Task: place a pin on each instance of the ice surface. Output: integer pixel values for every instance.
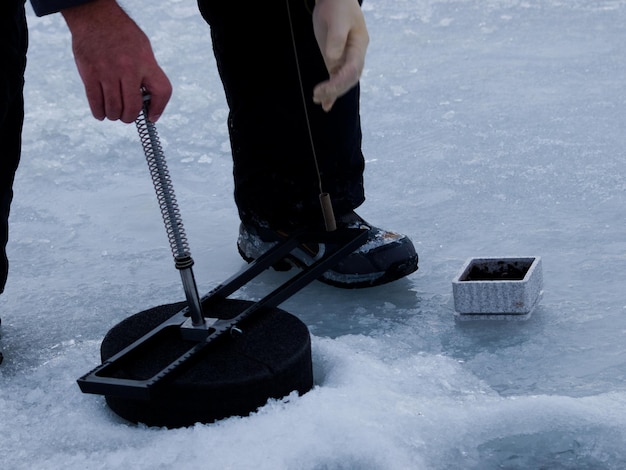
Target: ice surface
(491, 128)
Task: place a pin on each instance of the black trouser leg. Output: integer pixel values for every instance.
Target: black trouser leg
(274, 170)
(13, 44)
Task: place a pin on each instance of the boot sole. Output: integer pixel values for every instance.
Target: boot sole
(393, 273)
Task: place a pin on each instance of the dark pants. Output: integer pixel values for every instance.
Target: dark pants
(13, 44)
(274, 169)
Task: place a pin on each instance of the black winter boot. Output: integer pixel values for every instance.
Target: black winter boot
(384, 257)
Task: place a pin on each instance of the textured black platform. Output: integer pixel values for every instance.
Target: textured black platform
(233, 376)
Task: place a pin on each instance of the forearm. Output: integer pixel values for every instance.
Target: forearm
(95, 16)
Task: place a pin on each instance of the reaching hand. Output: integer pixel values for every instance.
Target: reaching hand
(115, 60)
(342, 37)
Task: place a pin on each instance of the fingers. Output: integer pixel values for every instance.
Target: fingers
(125, 105)
(155, 82)
(131, 105)
(160, 90)
(95, 98)
(114, 101)
(340, 82)
(326, 93)
(344, 75)
(120, 97)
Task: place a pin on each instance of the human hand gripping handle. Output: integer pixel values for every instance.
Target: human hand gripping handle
(342, 36)
(115, 61)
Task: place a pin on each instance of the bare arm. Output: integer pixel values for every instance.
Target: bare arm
(342, 37)
(115, 60)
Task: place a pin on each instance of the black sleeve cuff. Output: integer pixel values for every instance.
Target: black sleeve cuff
(45, 7)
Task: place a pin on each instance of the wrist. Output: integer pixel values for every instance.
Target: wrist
(84, 16)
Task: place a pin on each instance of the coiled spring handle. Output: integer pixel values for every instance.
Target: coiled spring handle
(169, 210)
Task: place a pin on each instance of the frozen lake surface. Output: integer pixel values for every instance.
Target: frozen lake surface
(491, 128)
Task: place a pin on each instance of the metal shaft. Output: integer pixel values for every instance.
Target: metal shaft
(191, 293)
(169, 211)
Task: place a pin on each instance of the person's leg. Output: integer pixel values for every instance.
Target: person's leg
(13, 44)
(276, 180)
(275, 176)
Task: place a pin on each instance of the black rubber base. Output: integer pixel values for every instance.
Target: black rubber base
(233, 376)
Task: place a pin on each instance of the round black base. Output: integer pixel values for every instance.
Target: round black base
(233, 376)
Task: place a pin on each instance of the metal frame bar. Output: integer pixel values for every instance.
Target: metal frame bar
(100, 380)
